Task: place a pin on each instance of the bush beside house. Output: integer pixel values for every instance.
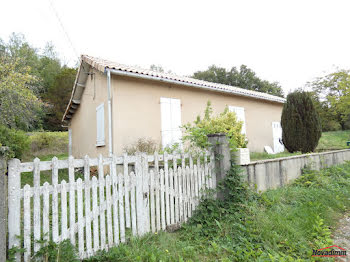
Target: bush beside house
(226, 122)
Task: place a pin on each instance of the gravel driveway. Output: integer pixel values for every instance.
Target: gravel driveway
(342, 236)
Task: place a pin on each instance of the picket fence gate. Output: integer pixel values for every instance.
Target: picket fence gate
(150, 193)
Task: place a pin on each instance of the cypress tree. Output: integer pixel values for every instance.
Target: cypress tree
(301, 125)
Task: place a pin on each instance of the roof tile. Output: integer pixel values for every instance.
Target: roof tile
(101, 64)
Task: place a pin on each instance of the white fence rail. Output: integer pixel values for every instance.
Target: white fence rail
(99, 212)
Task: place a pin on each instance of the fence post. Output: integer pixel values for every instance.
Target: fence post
(3, 203)
(222, 154)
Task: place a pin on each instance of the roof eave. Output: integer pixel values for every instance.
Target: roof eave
(183, 83)
(77, 92)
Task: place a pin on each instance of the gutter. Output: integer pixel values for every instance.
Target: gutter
(177, 82)
(110, 139)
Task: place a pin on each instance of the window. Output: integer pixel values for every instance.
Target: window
(100, 125)
(240, 116)
(170, 109)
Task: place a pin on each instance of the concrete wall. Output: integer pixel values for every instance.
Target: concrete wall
(275, 173)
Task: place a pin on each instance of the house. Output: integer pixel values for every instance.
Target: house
(113, 105)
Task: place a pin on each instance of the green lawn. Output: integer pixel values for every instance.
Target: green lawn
(332, 140)
(254, 156)
(46, 145)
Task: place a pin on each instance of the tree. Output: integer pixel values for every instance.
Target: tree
(243, 77)
(48, 68)
(19, 105)
(58, 96)
(159, 69)
(332, 96)
(301, 126)
(43, 67)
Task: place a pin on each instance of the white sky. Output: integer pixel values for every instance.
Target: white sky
(286, 41)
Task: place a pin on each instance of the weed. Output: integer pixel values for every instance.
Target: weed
(49, 252)
(284, 224)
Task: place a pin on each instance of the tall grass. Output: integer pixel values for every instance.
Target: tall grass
(46, 145)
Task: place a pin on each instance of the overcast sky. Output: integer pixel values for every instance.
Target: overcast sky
(286, 41)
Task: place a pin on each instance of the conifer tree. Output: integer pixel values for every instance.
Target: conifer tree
(300, 122)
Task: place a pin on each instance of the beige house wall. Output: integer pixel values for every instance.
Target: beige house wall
(136, 113)
(136, 105)
(83, 123)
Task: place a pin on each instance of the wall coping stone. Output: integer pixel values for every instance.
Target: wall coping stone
(294, 157)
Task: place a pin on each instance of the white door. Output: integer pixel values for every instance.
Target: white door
(278, 146)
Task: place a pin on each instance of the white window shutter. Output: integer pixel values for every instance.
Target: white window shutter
(100, 125)
(170, 121)
(240, 116)
(165, 111)
(176, 120)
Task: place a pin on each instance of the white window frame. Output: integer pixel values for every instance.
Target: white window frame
(170, 121)
(235, 109)
(100, 126)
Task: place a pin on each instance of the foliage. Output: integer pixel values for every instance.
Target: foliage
(146, 145)
(53, 252)
(332, 96)
(48, 69)
(301, 127)
(263, 155)
(334, 140)
(243, 77)
(226, 122)
(43, 144)
(58, 95)
(17, 141)
(34, 86)
(159, 69)
(19, 104)
(171, 149)
(284, 224)
(50, 252)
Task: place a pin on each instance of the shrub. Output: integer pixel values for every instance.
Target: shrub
(17, 141)
(49, 141)
(226, 122)
(300, 123)
(146, 145)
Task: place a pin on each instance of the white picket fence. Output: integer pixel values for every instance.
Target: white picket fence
(100, 212)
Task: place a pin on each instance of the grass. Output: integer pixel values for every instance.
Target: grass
(46, 145)
(333, 140)
(263, 155)
(284, 224)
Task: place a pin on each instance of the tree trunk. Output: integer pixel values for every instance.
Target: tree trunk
(342, 124)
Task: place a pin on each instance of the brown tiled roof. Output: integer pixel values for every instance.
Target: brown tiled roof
(102, 65)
